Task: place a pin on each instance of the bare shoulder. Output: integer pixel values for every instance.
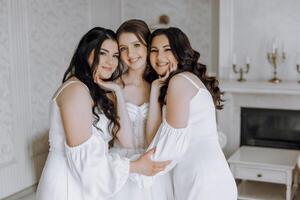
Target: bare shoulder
(195, 79)
(178, 81)
(74, 92)
(181, 86)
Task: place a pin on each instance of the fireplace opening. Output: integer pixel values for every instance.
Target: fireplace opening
(270, 128)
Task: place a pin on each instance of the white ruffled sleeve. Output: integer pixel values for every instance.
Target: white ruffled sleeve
(170, 144)
(98, 173)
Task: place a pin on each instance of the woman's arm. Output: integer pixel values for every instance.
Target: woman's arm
(172, 137)
(154, 115)
(179, 94)
(75, 104)
(144, 165)
(154, 118)
(125, 133)
(90, 165)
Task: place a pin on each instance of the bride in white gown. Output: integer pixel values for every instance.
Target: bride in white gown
(132, 38)
(83, 121)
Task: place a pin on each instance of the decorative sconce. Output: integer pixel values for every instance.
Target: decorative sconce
(164, 19)
(275, 58)
(241, 70)
(163, 22)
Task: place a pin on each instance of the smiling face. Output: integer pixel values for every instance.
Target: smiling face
(108, 59)
(133, 51)
(161, 55)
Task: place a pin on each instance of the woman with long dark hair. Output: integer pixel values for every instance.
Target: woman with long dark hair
(84, 123)
(187, 132)
(133, 36)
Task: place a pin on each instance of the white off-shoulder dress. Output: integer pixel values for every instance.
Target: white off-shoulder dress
(84, 172)
(200, 170)
(162, 189)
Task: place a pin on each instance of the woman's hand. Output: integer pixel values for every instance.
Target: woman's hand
(145, 166)
(159, 82)
(107, 85)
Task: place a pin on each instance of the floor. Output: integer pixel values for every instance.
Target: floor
(32, 197)
(253, 190)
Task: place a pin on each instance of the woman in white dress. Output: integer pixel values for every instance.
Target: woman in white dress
(187, 133)
(132, 37)
(83, 121)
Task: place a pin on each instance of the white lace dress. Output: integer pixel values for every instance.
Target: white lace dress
(84, 172)
(162, 189)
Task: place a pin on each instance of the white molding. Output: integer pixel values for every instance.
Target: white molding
(214, 37)
(7, 155)
(20, 76)
(26, 194)
(225, 38)
(260, 87)
(18, 174)
(210, 55)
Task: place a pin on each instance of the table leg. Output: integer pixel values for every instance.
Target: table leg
(288, 192)
(295, 185)
(296, 179)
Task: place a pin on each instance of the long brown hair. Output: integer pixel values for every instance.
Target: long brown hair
(141, 30)
(80, 69)
(187, 59)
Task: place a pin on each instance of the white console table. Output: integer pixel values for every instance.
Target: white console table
(257, 167)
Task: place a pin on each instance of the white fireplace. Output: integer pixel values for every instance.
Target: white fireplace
(252, 94)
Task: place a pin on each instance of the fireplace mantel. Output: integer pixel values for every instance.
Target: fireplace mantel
(260, 87)
(252, 94)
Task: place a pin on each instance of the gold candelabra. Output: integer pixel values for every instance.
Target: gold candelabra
(298, 70)
(275, 59)
(241, 71)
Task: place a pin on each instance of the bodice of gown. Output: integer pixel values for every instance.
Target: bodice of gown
(137, 115)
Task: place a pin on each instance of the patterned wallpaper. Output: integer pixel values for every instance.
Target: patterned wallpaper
(55, 28)
(192, 16)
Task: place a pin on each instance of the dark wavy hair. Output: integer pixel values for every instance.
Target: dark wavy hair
(80, 68)
(141, 30)
(187, 59)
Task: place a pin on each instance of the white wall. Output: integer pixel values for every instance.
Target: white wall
(248, 27)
